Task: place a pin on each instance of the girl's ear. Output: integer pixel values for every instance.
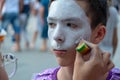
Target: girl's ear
(98, 34)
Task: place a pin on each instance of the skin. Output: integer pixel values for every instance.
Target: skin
(17, 36)
(67, 26)
(66, 30)
(3, 74)
(96, 68)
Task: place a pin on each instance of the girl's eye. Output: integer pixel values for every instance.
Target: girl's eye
(52, 25)
(71, 25)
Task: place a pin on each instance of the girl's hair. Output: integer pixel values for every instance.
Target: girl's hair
(97, 10)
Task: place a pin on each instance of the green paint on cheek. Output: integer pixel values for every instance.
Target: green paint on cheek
(82, 48)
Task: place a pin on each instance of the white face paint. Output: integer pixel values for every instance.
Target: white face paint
(68, 24)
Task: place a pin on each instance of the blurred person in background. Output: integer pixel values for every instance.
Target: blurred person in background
(36, 11)
(116, 3)
(9, 14)
(24, 16)
(110, 41)
(44, 33)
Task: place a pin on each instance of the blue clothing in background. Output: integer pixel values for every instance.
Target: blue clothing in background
(44, 33)
(45, 4)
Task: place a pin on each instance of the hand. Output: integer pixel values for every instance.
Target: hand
(96, 67)
(3, 74)
(0, 60)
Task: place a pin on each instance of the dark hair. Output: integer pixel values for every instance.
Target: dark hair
(39, 0)
(97, 10)
(117, 7)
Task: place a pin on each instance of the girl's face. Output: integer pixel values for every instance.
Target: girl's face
(68, 24)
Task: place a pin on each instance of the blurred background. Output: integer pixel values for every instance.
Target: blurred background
(26, 27)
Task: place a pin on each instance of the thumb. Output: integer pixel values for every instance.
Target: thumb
(79, 59)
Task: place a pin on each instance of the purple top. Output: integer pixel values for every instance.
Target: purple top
(51, 74)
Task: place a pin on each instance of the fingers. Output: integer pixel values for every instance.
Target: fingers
(95, 52)
(106, 58)
(108, 64)
(83, 48)
(79, 58)
(96, 55)
(105, 76)
(91, 45)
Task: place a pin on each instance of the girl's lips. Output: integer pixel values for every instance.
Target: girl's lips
(59, 52)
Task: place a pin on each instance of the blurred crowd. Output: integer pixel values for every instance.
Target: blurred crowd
(16, 13)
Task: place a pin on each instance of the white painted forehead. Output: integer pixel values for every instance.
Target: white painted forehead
(67, 7)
